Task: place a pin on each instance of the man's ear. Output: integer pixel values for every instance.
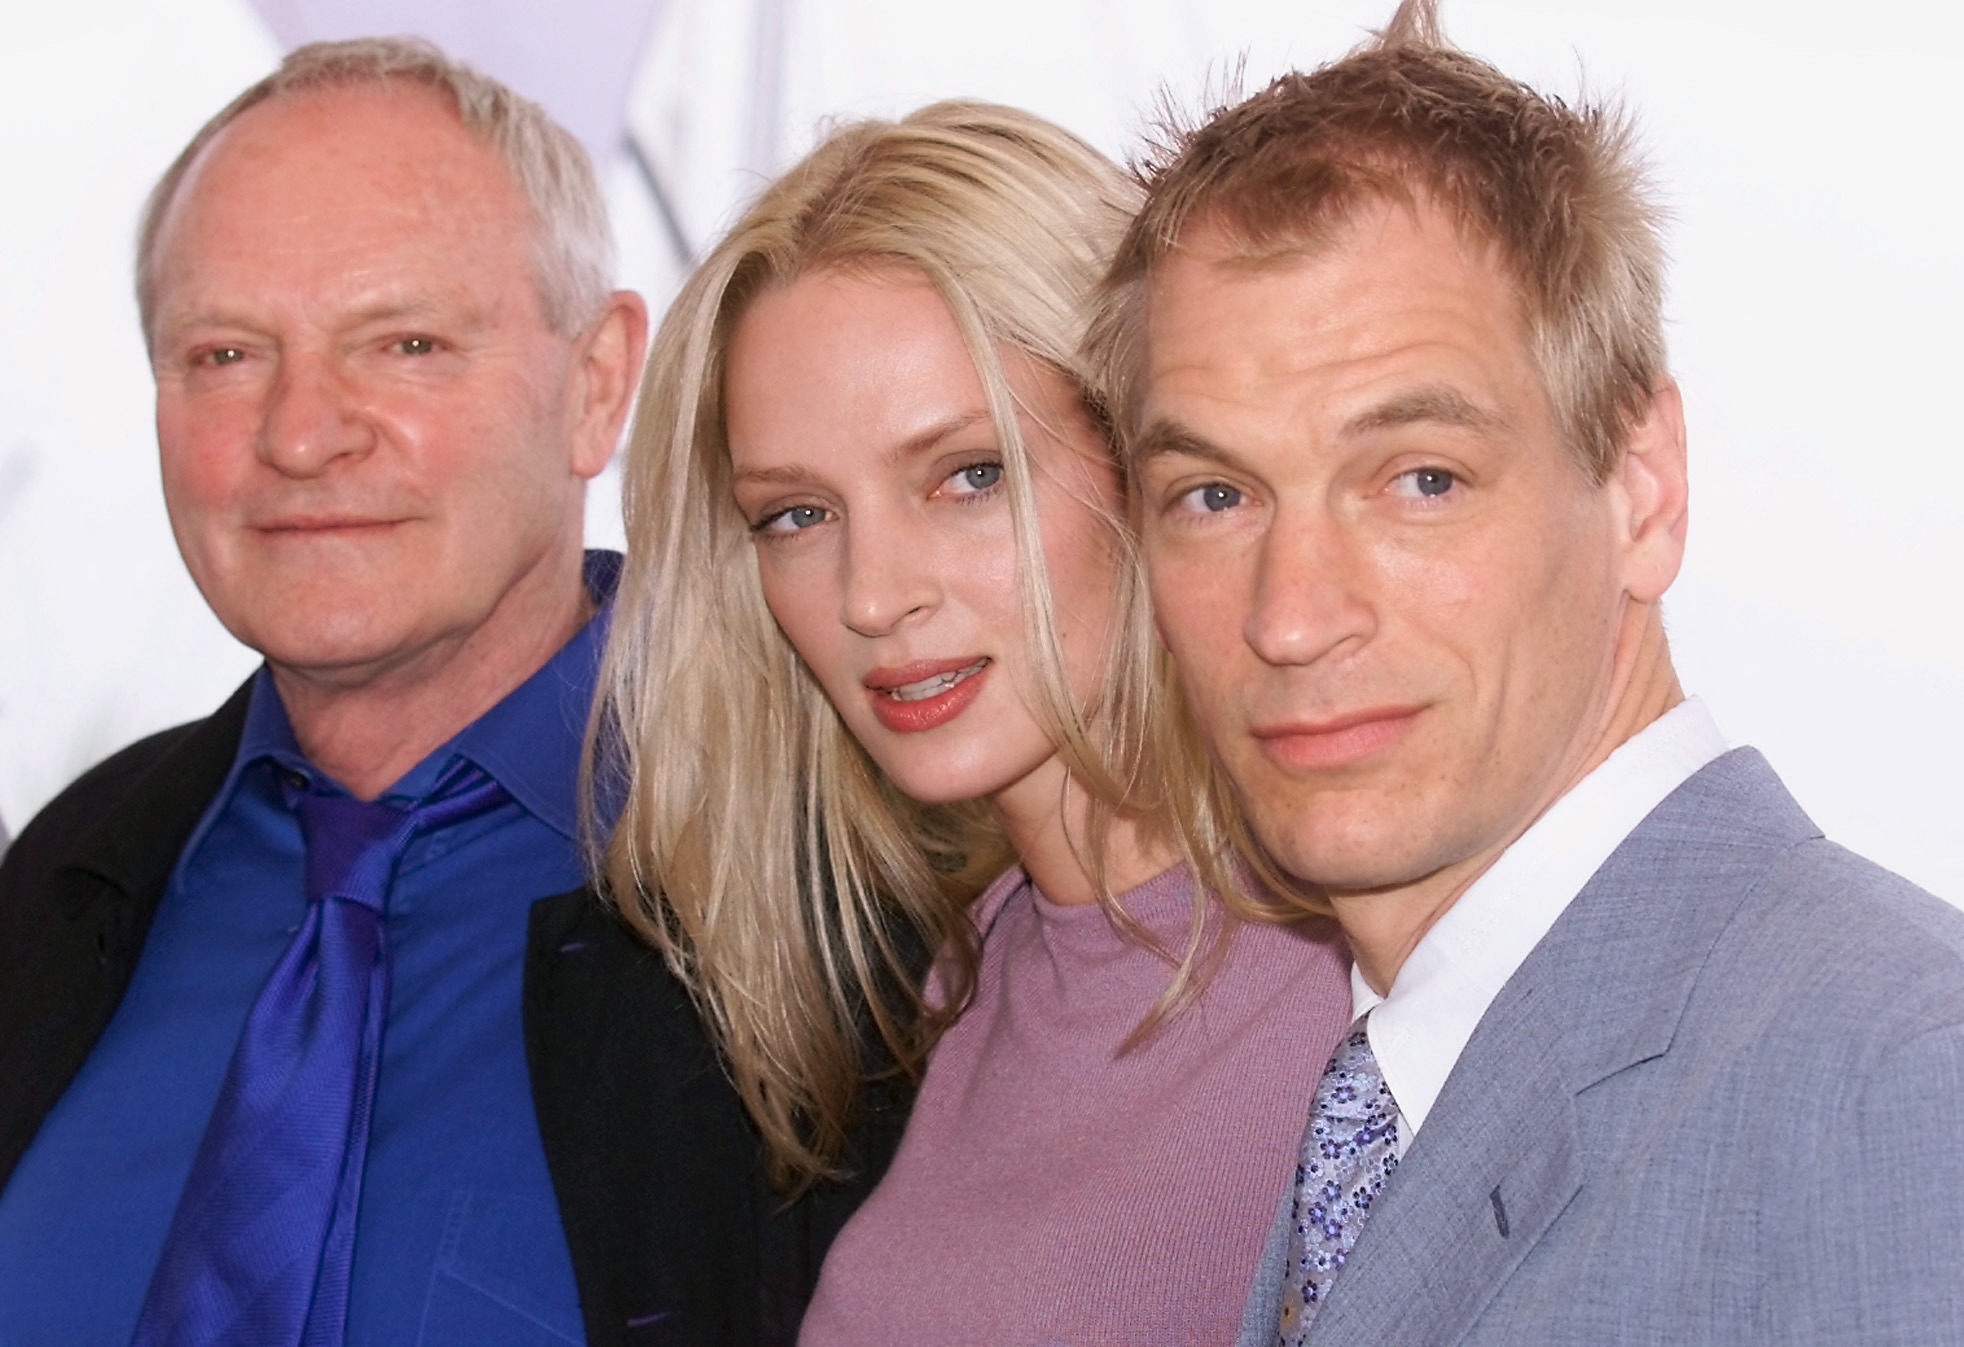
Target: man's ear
(606, 372)
(1650, 494)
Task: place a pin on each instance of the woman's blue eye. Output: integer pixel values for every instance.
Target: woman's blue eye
(791, 520)
(976, 477)
(1213, 498)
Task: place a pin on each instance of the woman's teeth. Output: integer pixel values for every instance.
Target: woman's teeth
(935, 686)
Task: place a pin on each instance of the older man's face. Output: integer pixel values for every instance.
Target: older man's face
(374, 447)
(1393, 597)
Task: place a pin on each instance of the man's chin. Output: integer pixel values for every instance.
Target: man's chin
(1341, 859)
(329, 655)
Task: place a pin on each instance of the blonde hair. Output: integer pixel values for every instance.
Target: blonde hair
(574, 251)
(789, 884)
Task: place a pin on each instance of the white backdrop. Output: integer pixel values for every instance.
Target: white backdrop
(1808, 156)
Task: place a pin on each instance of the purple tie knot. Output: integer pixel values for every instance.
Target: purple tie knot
(352, 847)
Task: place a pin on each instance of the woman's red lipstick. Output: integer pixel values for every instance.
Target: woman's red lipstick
(927, 693)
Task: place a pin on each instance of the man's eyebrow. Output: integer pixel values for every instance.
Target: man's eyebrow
(1162, 437)
(375, 313)
(412, 309)
(1439, 404)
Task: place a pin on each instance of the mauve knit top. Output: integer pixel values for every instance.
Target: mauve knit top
(1051, 1190)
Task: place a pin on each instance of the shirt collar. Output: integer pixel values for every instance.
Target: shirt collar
(1457, 968)
(530, 742)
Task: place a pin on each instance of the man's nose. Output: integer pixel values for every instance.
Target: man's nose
(313, 416)
(1310, 599)
(890, 576)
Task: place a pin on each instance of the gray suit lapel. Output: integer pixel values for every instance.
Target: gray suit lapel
(1497, 1161)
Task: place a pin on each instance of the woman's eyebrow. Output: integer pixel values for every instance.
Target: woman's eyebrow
(924, 440)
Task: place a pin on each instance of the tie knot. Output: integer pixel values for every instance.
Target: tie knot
(1352, 1092)
(353, 845)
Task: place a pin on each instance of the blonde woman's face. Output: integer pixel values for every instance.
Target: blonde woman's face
(871, 473)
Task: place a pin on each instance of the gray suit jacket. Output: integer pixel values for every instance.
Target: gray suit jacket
(1721, 1102)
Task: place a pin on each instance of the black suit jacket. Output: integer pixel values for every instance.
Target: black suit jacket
(675, 1234)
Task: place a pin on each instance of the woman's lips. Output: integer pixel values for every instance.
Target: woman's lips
(921, 696)
(1337, 741)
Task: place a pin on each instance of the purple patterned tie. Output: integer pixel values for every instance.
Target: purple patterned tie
(262, 1240)
(1348, 1152)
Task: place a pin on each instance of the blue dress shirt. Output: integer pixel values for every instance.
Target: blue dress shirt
(458, 1240)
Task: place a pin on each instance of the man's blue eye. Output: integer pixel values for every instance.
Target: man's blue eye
(227, 355)
(1424, 483)
(416, 346)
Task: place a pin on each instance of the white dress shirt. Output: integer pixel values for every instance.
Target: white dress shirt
(1452, 975)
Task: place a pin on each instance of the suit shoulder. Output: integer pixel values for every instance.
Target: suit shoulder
(111, 778)
(1860, 942)
(1831, 885)
(1795, 910)
(166, 777)
(89, 798)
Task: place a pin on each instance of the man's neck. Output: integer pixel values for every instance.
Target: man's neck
(367, 732)
(1383, 926)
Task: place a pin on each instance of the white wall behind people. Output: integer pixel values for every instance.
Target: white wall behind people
(102, 636)
(1806, 155)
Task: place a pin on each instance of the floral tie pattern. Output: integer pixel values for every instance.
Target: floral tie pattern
(1348, 1152)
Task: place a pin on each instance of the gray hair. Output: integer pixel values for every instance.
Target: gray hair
(574, 247)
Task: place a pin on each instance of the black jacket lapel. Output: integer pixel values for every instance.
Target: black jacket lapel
(77, 893)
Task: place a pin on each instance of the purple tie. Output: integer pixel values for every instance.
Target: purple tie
(262, 1241)
(1348, 1151)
